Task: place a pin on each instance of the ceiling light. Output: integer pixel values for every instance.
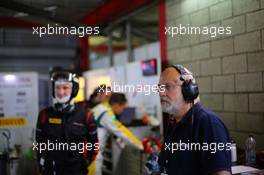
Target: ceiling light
(9, 78)
(20, 15)
(50, 8)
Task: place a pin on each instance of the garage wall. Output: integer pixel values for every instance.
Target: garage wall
(21, 51)
(144, 52)
(230, 68)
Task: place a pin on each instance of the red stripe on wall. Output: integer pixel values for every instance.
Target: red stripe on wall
(163, 40)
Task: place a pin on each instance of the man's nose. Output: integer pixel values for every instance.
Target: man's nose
(162, 93)
(60, 92)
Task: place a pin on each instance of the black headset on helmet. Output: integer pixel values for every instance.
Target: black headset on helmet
(67, 76)
(190, 89)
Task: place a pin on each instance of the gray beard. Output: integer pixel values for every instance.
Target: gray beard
(171, 108)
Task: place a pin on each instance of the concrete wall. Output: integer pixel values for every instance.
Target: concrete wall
(230, 68)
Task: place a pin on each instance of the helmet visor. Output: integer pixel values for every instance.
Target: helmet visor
(64, 76)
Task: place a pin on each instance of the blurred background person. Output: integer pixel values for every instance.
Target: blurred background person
(107, 123)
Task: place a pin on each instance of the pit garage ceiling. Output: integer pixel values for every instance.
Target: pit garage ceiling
(72, 10)
(17, 14)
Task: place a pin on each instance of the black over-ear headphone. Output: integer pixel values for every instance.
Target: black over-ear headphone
(190, 89)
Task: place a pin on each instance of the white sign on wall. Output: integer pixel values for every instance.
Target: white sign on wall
(19, 105)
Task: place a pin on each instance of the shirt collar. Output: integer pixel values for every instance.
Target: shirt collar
(106, 104)
(187, 117)
(110, 111)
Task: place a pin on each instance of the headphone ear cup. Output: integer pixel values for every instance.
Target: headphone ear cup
(185, 90)
(190, 90)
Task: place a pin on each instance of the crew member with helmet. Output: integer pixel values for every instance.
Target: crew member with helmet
(68, 124)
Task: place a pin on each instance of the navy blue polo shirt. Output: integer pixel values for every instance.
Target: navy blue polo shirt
(197, 145)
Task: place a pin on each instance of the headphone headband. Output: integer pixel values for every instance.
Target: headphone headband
(186, 75)
(190, 89)
(180, 69)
